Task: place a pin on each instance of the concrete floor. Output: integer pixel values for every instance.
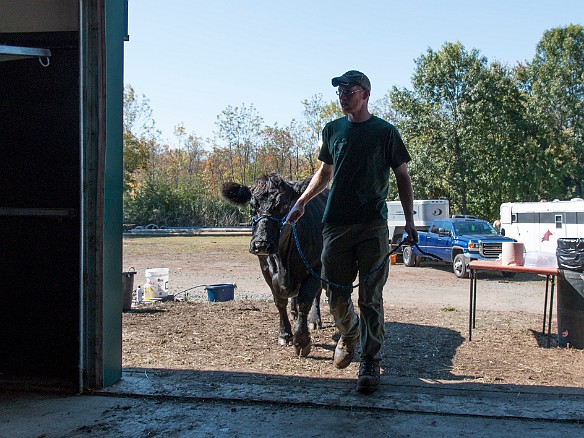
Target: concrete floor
(165, 403)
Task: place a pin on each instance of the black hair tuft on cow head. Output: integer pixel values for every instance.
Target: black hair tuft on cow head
(236, 193)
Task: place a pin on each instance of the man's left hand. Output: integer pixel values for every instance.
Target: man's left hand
(412, 236)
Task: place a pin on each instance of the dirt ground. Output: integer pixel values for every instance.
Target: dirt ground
(426, 314)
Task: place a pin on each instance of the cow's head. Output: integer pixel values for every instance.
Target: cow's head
(270, 199)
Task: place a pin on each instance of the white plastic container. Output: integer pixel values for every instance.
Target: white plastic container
(540, 259)
(139, 295)
(156, 286)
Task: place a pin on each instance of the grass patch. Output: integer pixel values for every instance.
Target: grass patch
(449, 309)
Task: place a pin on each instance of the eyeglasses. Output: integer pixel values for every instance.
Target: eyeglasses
(345, 92)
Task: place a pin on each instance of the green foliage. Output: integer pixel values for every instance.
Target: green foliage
(165, 204)
(554, 81)
(481, 134)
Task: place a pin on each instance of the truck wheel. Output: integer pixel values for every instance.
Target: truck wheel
(409, 258)
(459, 266)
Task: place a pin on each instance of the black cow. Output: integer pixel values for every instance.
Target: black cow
(270, 199)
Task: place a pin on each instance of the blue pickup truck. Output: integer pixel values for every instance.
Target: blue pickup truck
(457, 240)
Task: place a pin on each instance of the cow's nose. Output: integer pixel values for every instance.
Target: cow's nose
(259, 247)
(255, 247)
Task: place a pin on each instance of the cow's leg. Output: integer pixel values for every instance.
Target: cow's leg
(302, 342)
(314, 319)
(285, 328)
(269, 267)
(294, 308)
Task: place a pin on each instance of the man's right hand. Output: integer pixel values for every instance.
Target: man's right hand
(295, 213)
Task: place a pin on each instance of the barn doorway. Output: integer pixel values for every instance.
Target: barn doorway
(60, 201)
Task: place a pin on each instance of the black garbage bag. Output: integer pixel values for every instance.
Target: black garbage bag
(570, 306)
(570, 254)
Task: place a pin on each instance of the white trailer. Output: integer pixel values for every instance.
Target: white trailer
(425, 211)
(539, 225)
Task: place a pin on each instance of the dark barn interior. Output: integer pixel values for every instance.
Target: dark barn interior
(40, 209)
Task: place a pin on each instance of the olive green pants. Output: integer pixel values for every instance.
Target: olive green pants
(348, 250)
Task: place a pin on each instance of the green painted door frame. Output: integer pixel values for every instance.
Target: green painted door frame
(103, 31)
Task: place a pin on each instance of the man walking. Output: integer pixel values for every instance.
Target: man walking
(358, 153)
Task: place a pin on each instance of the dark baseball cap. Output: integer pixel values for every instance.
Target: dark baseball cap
(351, 78)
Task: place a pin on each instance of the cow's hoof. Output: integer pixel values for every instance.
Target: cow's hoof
(303, 351)
(284, 340)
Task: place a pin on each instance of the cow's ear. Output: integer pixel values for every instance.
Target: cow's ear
(236, 193)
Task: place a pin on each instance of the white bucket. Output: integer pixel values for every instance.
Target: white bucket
(512, 254)
(156, 286)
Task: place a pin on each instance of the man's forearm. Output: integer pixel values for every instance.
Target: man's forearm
(406, 197)
(406, 193)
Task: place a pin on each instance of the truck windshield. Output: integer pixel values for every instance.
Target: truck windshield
(470, 228)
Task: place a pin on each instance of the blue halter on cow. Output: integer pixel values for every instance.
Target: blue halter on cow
(270, 199)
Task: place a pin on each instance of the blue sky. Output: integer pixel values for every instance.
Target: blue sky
(194, 58)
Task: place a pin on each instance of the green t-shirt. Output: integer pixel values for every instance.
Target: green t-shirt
(362, 155)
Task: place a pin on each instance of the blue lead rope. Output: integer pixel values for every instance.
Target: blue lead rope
(282, 222)
(364, 279)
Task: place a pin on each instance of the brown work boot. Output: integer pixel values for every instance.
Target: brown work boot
(368, 377)
(345, 351)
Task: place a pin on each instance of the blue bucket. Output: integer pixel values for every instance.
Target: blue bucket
(220, 292)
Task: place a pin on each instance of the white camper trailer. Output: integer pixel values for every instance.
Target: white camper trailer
(539, 225)
(425, 211)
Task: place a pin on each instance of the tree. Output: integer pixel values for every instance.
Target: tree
(301, 136)
(140, 137)
(554, 82)
(464, 124)
(509, 159)
(382, 108)
(275, 154)
(316, 114)
(240, 128)
(195, 150)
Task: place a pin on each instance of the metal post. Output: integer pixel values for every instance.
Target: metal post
(545, 302)
(553, 281)
(470, 309)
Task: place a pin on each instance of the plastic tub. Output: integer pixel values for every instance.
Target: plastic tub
(220, 292)
(539, 259)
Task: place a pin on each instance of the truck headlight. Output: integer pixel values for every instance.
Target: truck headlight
(474, 246)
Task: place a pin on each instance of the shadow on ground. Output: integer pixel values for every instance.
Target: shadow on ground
(420, 351)
(415, 350)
